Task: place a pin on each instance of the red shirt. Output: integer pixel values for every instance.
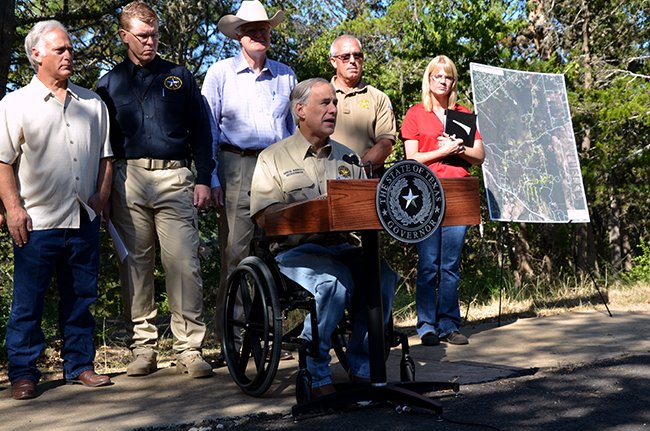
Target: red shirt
(425, 127)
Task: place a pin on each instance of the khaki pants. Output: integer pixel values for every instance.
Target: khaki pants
(235, 225)
(150, 204)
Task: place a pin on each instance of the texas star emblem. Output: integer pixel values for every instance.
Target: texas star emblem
(344, 172)
(173, 82)
(410, 201)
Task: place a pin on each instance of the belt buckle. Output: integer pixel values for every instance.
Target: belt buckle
(155, 164)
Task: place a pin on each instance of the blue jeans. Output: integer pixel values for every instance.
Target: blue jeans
(436, 295)
(73, 254)
(327, 273)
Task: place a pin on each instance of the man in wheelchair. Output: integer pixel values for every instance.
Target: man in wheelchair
(326, 264)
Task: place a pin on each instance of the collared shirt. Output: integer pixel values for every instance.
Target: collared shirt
(157, 112)
(250, 111)
(364, 116)
(425, 127)
(55, 149)
(289, 171)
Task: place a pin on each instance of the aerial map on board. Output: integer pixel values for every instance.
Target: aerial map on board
(531, 170)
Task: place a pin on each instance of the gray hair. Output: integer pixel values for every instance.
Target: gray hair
(35, 37)
(341, 38)
(301, 92)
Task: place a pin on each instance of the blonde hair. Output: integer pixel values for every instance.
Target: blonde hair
(450, 69)
(138, 10)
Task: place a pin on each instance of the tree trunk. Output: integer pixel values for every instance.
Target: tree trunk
(521, 256)
(7, 33)
(586, 247)
(614, 232)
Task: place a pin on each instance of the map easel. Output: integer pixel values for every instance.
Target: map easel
(532, 170)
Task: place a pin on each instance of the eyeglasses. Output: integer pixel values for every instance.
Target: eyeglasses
(144, 38)
(347, 56)
(441, 78)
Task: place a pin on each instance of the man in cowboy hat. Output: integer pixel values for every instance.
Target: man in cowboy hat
(249, 98)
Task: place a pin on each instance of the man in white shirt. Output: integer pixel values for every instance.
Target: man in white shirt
(55, 171)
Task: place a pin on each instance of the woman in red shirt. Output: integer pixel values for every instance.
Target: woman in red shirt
(439, 255)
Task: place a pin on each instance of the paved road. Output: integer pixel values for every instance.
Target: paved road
(574, 371)
(609, 395)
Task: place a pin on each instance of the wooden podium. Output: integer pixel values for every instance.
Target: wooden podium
(350, 206)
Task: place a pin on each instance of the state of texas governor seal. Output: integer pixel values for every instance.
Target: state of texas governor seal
(410, 201)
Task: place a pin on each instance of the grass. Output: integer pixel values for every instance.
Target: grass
(542, 300)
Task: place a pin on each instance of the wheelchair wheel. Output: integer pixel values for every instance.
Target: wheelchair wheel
(252, 329)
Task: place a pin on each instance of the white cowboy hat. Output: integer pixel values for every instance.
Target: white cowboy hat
(249, 11)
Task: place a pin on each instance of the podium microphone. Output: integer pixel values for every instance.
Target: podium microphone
(353, 159)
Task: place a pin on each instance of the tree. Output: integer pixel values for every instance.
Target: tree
(7, 29)
(602, 48)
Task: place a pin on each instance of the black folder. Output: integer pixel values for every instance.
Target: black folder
(463, 126)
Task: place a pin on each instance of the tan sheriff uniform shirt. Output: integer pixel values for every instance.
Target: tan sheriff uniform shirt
(365, 115)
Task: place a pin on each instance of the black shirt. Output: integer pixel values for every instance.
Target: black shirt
(157, 111)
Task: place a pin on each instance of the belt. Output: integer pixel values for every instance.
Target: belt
(157, 164)
(240, 151)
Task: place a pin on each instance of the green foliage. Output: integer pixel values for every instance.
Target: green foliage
(210, 257)
(641, 269)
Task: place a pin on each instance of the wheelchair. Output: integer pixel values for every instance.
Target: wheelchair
(258, 300)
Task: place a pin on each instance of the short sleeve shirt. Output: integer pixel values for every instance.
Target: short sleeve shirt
(288, 171)
(364, 116)
(425, 127)
(56, 149)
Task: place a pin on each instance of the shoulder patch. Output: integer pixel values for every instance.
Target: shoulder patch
(173, 82)
(343, 173)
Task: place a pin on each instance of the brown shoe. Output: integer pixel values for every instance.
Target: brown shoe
(91, 378)
(322, 391)
(455, 338)
(23, 389)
